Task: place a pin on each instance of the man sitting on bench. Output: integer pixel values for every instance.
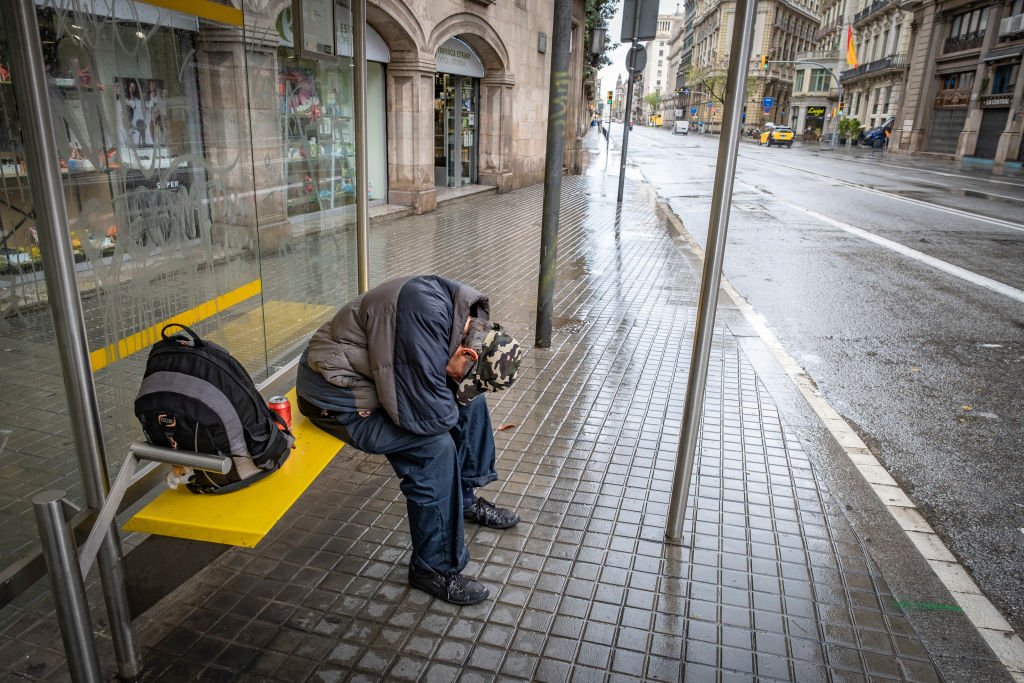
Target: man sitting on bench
(396, 371)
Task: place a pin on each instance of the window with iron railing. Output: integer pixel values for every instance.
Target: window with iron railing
(967, 30)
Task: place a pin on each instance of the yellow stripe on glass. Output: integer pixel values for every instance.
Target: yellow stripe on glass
(140, 341)
(204, 9)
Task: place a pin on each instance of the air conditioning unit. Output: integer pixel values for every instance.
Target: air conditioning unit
(1011, 25)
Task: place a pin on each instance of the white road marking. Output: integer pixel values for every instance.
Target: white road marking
(943, 209)
(938, 264)
(909, 200)
(990, 624)
(949, 175)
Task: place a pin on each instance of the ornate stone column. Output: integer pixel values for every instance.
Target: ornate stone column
(1009, 141)
(496, 117)
(237, 77)
(411, 133)
(969, 137)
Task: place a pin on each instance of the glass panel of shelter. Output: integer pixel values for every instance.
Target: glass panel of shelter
(151, 126)
(166, 124)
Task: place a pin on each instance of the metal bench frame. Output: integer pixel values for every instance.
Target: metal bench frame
(67, 567)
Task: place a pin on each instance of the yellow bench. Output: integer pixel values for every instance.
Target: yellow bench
(242, 517)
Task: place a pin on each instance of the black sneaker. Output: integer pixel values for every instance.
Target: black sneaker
(489, 515)
(454, 588)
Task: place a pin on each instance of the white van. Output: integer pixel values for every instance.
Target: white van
(682, 126)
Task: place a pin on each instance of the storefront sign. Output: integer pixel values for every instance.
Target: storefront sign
(455, 57)
(996, 100)
(376, 48)
(815, 111)
(316, 27)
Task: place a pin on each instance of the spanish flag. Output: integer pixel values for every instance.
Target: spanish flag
(851, 49)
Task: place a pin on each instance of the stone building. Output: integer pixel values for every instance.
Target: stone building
(619, 103)
(874, 88)
(657, 77)
(816, 88)
(964, 91)
(782, 30)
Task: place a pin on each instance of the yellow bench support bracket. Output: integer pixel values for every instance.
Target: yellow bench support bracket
(245, 516)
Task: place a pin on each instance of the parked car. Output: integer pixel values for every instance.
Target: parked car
(777, 135)
(681, 126)
(877, 136)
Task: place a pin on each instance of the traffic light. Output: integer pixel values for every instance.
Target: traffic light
(610, 93)
(764, 62)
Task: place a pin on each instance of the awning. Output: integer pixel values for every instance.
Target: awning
(1003, 53)
(455, 57)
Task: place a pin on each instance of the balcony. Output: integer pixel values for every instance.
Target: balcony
(952, 98)
(825, 30)
(968, 41)
(873, 8)
(820, 56)
(879, 66)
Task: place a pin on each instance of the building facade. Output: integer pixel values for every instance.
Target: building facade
(207, 170)
(657, 76)
(874, 88)
(783, 29)
(816, 85)
(964, 91)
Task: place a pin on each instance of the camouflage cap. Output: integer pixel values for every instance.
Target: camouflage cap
(495, 369)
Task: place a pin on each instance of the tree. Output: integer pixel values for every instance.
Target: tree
(848, 129)
(599, 12)
(712, 80)
(653, 102)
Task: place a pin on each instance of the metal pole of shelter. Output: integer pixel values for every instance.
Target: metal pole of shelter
(67, 587)
(30, 83)
(362, 181)
(712, 277)
(558, 93)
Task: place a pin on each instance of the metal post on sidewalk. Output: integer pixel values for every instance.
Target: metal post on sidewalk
(721, 199)
(558, 93)
(361, 170)
(629, 117)
(31, 83)
(67, 587)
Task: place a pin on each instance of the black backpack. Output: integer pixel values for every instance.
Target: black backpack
(195, 396)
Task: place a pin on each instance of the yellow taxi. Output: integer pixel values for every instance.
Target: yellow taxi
(778, 135)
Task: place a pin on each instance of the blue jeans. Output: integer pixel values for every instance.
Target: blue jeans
(433, 471)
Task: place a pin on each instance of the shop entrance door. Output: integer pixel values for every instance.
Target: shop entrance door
(455, 129)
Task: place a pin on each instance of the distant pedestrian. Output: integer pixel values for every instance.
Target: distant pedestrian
(399, 370)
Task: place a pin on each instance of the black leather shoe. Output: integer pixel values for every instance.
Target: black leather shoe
(454, 588)
(489, 515)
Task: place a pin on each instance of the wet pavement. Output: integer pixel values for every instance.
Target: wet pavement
(774, 579)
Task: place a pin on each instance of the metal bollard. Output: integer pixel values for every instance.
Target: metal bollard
(67, 587)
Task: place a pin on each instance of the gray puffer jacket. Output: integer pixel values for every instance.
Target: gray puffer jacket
(389, 348)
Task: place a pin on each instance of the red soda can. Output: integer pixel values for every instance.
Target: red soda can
(283, 407)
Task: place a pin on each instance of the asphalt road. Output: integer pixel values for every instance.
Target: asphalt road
(897, 284)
